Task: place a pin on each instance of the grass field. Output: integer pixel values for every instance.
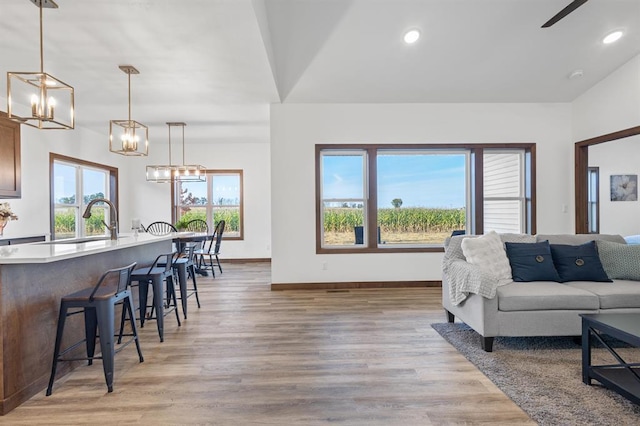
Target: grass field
(413, 225)
(348, 238)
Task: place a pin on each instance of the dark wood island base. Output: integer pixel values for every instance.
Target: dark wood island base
(30, 296)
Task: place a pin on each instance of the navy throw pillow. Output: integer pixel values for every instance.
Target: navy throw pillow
(578, 263)
(531, 262)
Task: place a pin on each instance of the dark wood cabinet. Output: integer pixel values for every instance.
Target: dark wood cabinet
(9, 158)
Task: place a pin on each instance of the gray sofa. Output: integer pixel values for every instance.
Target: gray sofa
(539, 308)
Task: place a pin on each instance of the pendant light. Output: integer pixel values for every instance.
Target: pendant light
(38, 99)
(128, 137)
(163, 174)
(189, 173)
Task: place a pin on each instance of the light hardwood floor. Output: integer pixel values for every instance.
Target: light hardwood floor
(306, 357)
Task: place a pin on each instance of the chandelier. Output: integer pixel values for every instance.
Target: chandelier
(189, 173)
(38, 99)
(163, 174)
(125, 135)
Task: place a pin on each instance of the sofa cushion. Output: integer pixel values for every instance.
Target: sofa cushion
(618, 294)
(577, 239)
(453, 245)
(517, 238)
(487, 252)
(620, 261)
(531, 262)
(578, 263)
(544, 295)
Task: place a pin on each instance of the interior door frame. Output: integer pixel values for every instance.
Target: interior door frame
(581, 174)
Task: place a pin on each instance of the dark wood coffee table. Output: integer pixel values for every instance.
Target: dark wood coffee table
(623, 377)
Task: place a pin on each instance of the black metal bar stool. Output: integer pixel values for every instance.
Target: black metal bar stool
(184, 267)
(188, 259)
(98, 304)
(156, 276)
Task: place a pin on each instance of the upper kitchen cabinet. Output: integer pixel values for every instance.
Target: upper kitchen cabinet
(9, 158)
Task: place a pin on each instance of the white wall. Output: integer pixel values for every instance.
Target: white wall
(138, 198)
(295, 129)
(611, 105)
(617, 158)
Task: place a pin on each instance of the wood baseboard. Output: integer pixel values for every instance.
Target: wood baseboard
(353, 285)
(252, 260)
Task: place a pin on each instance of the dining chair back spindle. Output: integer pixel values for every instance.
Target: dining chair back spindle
(161, 228)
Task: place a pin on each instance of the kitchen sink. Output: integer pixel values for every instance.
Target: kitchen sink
(82, 240)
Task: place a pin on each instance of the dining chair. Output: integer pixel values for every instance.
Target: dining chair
(212, 250)
(197, 225)
(161, 228)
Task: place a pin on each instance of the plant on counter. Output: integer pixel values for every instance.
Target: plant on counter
(6, 214)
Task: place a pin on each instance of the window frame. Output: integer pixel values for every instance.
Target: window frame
(112, 183)
(475, 209)
(209, 207)
(593, 203)
(522, 199)
(364, 200)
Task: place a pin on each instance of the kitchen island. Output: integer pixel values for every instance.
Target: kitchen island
(33, 279)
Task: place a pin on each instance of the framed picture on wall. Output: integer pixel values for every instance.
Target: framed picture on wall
(624, 187)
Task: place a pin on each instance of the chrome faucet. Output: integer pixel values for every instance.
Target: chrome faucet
(113, 216)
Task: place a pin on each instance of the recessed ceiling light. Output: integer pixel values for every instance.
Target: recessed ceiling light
(614, 36)
(411, 36)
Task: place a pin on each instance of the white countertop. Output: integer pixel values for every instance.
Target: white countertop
(17, 237)
(51, 251)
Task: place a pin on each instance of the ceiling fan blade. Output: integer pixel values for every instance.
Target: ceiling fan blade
(564, 12)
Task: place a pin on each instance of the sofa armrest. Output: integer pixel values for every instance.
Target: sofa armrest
(477, 311)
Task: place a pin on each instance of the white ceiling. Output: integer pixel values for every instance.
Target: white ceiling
(218, 64)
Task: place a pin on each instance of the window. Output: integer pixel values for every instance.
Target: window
(218, 198)
(504, 191)
(343, 196)
(74, 183)
(375, 198)
(593, 200)
(422, 195)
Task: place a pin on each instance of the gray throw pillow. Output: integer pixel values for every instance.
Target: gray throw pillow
(620, 261)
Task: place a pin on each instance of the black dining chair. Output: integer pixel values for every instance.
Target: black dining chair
(161, 228)
(98, 304)
(196, 225)
(212, 250)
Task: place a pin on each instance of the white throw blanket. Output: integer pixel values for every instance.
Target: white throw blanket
(465, 278)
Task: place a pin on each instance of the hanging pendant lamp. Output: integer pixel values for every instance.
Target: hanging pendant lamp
(128, 137)
(189, 173)
(163, 174)
(38, 99)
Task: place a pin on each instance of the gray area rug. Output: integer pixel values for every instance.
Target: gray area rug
(543, 376)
